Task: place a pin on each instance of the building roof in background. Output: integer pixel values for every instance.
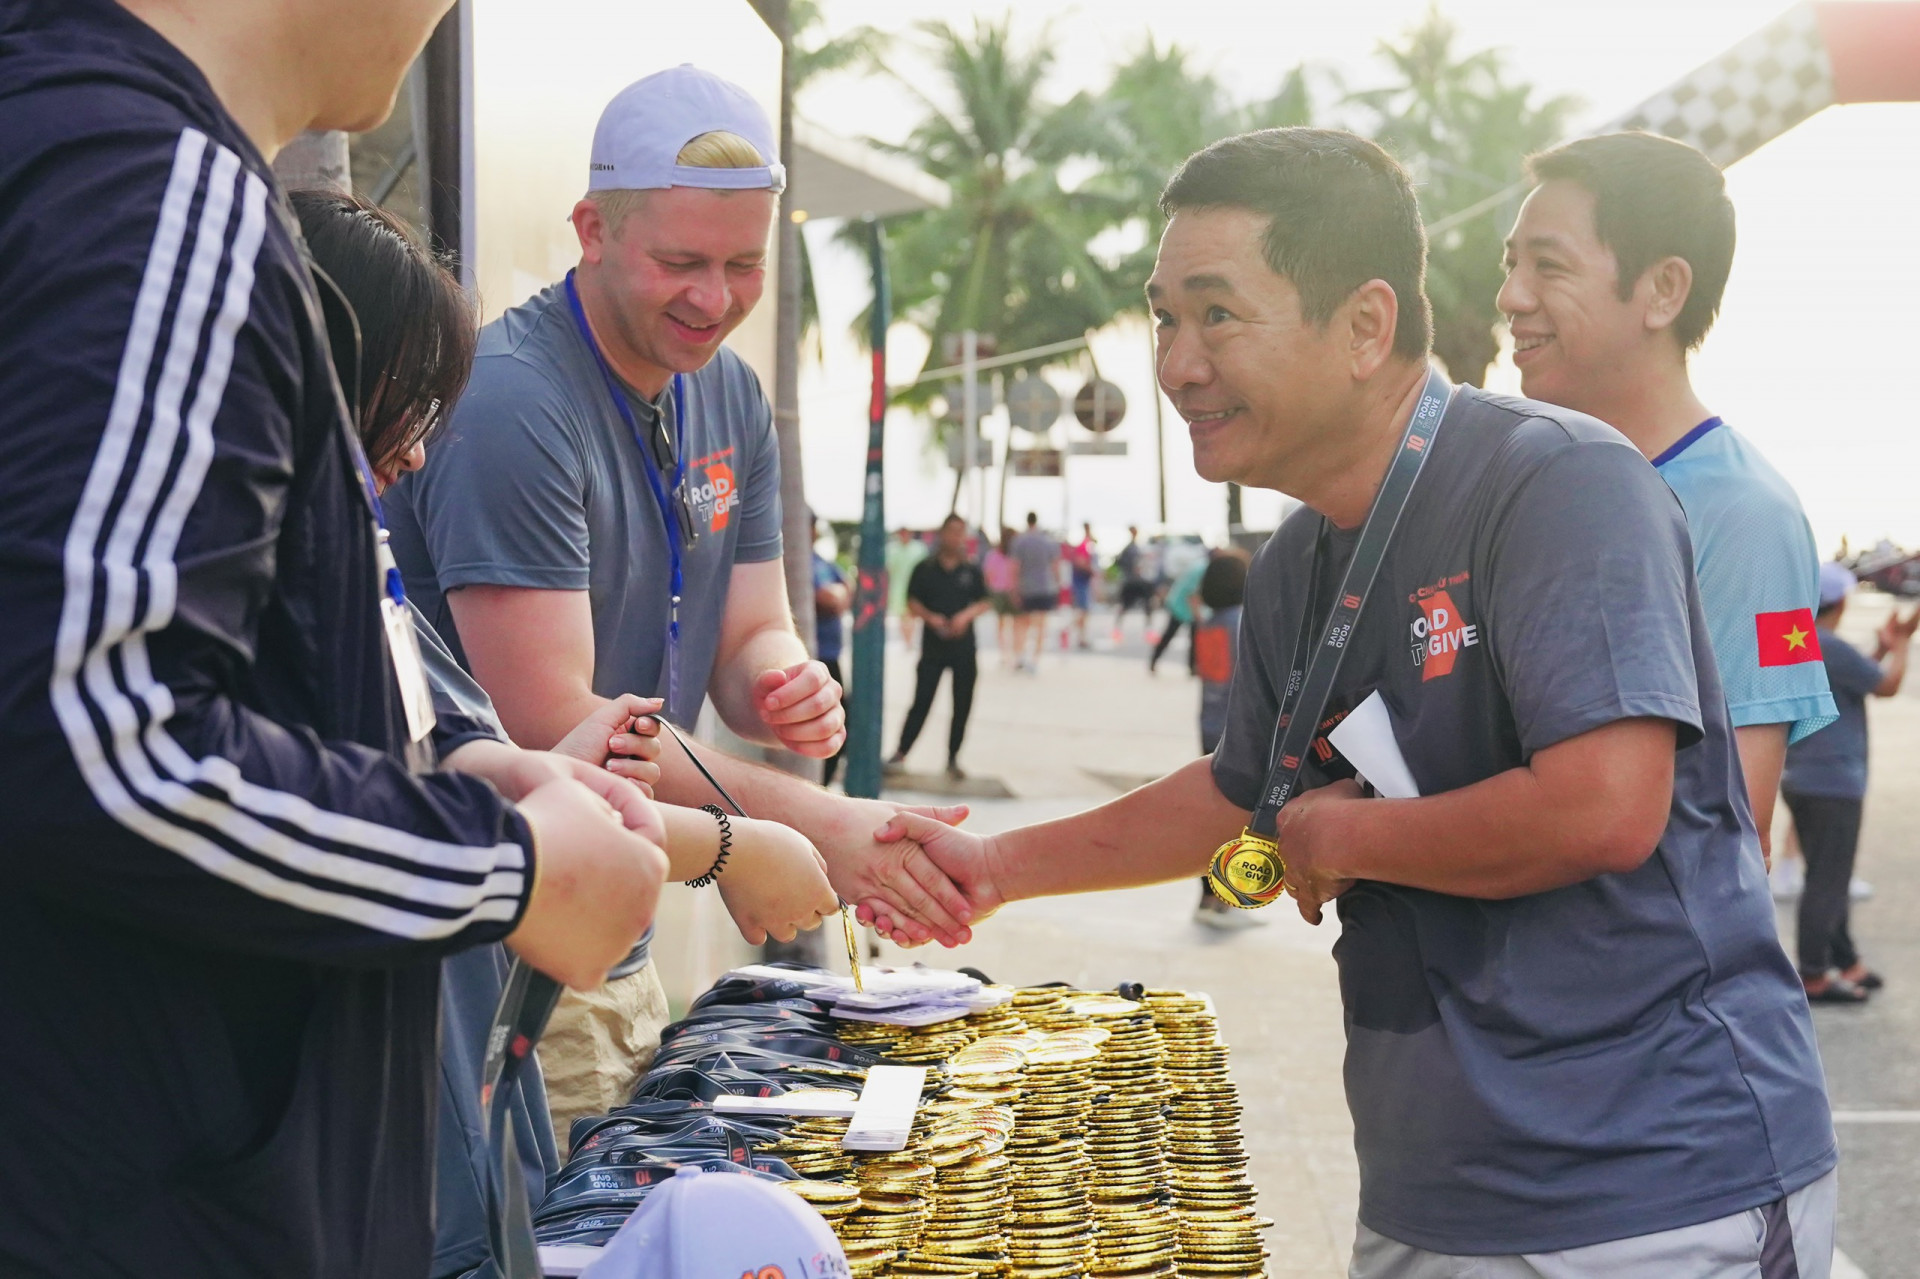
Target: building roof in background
(836, 177)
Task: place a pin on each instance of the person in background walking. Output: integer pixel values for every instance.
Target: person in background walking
(1136, 588)
(1003, 582)
(1216, 649)
(1825, 785)
(1183, 599)
(904, 552)
(1081, 562)
(947, 593)
(831, 599)
(1038, 558)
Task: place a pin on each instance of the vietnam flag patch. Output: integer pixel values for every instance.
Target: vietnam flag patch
(1787, 639)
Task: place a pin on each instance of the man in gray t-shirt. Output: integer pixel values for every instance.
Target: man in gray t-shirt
(607, 433)
(538, 484)
(1037, 557)
(1571, 1029)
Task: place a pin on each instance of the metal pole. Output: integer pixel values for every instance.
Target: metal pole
(969, 407)
(870, 595)
(447, 177)
(1159, 426)
(980, 476)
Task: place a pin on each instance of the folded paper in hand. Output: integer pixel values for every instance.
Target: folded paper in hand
(1366, 739)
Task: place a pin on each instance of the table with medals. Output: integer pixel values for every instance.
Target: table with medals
(1059, 1133)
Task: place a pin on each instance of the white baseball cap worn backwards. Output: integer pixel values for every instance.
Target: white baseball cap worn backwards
(637, 143)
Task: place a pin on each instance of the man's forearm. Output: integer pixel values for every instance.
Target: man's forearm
(1165, 830)
(763, 792)
(771, 648)
(1499, 838)
(1763, 756)
(539, 723)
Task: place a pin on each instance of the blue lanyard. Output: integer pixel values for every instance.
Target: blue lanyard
(396, 590)
(1310, 682)
(662, 494)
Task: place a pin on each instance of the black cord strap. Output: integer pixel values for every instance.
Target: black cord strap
(726, 846)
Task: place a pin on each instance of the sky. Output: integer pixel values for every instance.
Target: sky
(1810, 359)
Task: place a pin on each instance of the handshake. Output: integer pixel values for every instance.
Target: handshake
(604, 847)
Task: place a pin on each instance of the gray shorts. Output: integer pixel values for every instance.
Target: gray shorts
(1791, 1238)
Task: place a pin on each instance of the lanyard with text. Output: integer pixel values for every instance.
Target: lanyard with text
(668, 496)
(1248, 872)
(396, 618)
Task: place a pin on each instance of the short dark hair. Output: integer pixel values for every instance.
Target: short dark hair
(1654, 198)
(414, 324)
(954, 518)
(1223, 584)
(1340, 212)
(1033, 518)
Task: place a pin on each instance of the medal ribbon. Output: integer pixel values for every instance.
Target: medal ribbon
(1309, 690)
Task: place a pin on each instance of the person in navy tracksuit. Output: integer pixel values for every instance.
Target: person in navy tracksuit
(226, 892)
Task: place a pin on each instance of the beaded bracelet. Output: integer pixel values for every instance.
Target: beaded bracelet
(726, 846)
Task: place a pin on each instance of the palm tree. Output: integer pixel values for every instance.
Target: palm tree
(1159, 109)
(1462, 126)
(1008, 255)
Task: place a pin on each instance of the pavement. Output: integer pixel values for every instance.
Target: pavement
(1088, 725)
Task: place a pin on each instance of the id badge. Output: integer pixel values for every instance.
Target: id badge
(403, 646)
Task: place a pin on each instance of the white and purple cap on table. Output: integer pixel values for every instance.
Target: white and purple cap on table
(636, 145)
(718, 1225)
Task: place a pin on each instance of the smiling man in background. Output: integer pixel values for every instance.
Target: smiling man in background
(603, 517)
(1615, 270)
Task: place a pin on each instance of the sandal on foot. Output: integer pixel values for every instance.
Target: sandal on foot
(1837, 990)
(1867, 980)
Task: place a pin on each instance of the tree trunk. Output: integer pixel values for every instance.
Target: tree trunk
(796, 520)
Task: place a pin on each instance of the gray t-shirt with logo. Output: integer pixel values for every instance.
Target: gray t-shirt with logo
(538, 482)
(1622, 1056)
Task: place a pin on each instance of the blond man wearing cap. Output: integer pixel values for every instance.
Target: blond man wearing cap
(604, 518)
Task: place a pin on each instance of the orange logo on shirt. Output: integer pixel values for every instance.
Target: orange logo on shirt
(1439, 634)
(716, 498)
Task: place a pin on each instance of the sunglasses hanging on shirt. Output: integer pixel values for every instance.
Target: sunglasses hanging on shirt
(666, 459)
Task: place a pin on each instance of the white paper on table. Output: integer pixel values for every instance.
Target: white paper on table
(1366, 738)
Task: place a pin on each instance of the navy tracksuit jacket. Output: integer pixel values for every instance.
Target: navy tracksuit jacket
(223, 895)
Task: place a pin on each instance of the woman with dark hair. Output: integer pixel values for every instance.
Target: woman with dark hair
(403, 333)
(405, 358)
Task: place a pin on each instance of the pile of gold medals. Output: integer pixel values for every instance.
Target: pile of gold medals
(1078, 1135)
(1219, 1233)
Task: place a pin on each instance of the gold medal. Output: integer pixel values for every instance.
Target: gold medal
(853, 946)
(1247, 872)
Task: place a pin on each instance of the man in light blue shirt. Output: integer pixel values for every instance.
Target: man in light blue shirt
(1615, 270)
